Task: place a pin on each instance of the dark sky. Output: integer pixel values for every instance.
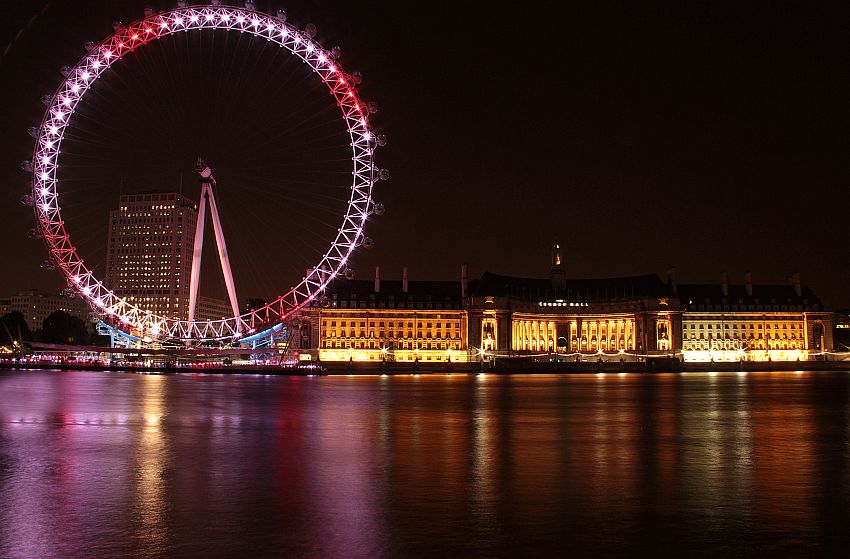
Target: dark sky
(701, 135)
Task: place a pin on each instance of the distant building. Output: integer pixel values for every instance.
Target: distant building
(626, 316)
(38, 305)
(512, 315)
(253, 304)
(208, 308)
(841, 332)
(149, 255)
(753, 322)
(364, 320)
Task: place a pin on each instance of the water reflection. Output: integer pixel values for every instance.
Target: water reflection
(483, 499)
(151, 465)
(103, 465)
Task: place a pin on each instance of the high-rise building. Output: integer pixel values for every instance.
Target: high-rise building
(149, 254)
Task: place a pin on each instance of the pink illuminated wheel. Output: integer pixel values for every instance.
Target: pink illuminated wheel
(71, 92)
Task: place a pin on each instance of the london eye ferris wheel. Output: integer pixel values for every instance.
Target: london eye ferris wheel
(352, 112)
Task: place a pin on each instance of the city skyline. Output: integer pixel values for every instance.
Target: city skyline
(653, 148)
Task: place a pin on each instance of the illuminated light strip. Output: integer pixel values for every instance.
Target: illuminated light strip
(113, 48)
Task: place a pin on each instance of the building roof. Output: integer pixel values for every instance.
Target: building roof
(629, 287)
(447, 294)
(420, 294)
(695, 294)
(170, 194)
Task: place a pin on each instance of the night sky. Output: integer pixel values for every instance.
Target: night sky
(708, 136)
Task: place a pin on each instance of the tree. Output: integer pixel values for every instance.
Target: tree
(62, 328)
(13, 327)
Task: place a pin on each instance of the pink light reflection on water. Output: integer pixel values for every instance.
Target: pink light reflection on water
(104, 465)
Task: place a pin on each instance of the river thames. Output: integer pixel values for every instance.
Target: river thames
(96, 464)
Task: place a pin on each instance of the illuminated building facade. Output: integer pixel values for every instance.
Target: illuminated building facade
(605, 317)
(36, 306)
(209, 308)
(149, 253)
(610, 319)
(753, 322)
(364, 320)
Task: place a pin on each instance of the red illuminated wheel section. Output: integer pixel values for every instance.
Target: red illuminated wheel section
(47, 170)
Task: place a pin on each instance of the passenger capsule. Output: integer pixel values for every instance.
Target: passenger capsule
(379, 209)
(368, 242)
(32, 131)
(26, 166)
(281, 15)
(48, 265)
(34, 233)
(311, 30)
(384, 174)
(27, 200)
(372, 106)
(117, 26)
(66, 70)
(382, 139)
(349, 274)
(357, 78)
(336, 52)
(89, 46)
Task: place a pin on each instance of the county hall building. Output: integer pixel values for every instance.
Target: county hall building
(623, 319)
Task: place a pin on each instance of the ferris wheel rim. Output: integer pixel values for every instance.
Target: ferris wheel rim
(79, 79)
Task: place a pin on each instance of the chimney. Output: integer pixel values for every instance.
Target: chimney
(377, 279)
(748, 281)
(463, 282)
(795, 280)
(404, 279)
(724, 283)
(671, 279)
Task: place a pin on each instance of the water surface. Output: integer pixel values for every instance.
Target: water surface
(96, 464)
